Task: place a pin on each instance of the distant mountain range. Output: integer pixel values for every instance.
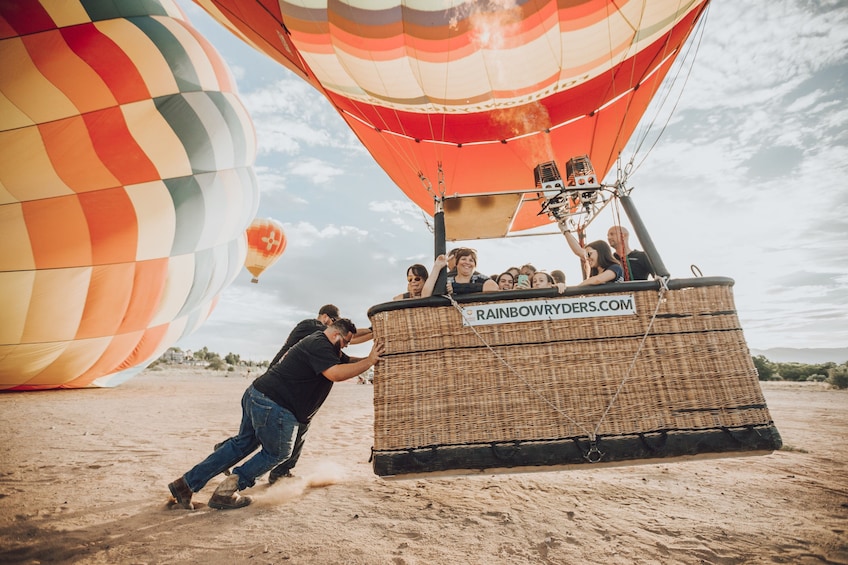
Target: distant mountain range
(809, 355)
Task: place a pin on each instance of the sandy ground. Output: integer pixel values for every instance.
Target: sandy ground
(84, 475)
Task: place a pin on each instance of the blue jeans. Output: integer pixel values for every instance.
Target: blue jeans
(286, 466)
(264, 424)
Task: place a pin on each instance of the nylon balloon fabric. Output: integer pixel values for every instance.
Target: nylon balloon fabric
(481, 91)
(126, 184)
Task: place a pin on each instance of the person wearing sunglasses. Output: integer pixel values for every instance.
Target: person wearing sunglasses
(416, 276)
(597, 258)
(274, 408)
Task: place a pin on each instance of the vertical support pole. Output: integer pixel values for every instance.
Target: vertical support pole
(440, 247)
(642, 234)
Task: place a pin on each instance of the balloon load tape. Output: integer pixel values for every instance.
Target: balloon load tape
(577, 194)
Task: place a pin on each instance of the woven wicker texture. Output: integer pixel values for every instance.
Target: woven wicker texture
(443, 384)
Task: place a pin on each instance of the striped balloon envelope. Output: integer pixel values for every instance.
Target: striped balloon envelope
(266, 241)
(126, 184)
(468, 97)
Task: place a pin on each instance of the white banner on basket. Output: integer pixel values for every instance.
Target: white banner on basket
(554, 309)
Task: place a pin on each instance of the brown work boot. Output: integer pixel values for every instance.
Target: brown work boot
(226, 496)
(182, 493)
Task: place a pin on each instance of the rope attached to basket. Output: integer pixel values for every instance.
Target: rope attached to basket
(594, 455)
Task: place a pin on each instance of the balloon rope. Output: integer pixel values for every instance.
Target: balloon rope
(663, 289)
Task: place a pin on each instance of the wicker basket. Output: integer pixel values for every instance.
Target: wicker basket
(675, 379)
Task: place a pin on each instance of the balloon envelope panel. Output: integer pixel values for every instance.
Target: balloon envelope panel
(126, 184)
(483, 90)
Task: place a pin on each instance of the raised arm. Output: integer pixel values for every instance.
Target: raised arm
(574, 244)
(440, 263)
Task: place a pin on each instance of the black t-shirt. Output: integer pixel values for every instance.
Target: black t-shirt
(638, 266)
(296, 382)
(300, 331)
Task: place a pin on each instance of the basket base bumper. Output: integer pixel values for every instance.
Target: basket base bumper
(569, 453)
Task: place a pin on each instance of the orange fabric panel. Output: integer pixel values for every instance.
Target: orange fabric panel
(108, 297)
(111, 358)
(62, 67)
(147, 290)
(73, 156)
(150, 341)
(116, 147)
(112, 225)
(58, 232)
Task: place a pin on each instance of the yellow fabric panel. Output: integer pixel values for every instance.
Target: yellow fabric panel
(27, 89)
(26, 172)
(58, 299)
(177, 287)
(11, 116)
(156, 138)
(66, 14)
(145, 55)
(157, 220)
(199, 59)
(15, 297)
(15, 247)
(20, 363)
(77, 357)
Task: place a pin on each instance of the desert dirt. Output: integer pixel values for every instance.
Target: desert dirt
(84, 478)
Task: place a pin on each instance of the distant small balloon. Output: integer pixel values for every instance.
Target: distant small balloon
(266, 241)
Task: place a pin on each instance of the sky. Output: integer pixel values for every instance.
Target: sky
(748, 179)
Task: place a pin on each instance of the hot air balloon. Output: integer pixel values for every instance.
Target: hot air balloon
(499, 117)
(438, 92)
(126, 171)
(266, 241)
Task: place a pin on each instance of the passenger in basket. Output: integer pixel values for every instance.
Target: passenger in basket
(416, 276)
(544, 280)
(465, 280)
(603, 268)
(558, 276)
(506, 281)
(525, 276)
(636, 265)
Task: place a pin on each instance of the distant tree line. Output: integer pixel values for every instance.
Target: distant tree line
(836, 375)
(206, 359)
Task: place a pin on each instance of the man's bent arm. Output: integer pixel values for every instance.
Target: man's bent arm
(345, 371)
